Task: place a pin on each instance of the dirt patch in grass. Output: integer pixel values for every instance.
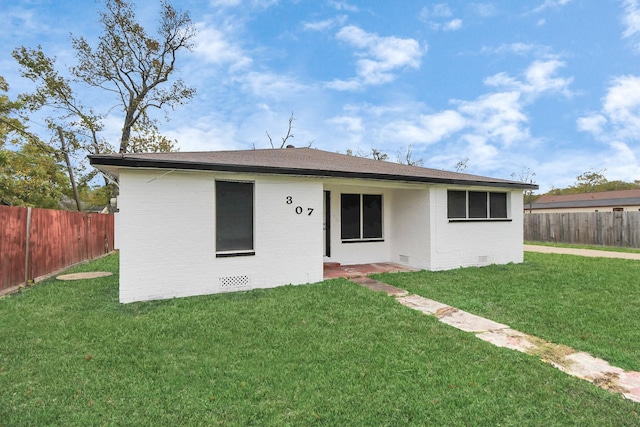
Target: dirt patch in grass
(550, 352)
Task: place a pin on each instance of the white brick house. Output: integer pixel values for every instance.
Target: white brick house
(209, 222)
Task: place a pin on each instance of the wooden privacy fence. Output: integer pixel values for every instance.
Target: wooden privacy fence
(587, 228)
(36, 242)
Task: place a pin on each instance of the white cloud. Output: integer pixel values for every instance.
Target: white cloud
(225, 3)
(519, 48)
(325, 24)
(618, 125)
(480, 128)
(593, 123)
(453, 25)
(551, 4)
(213, 47)
(269, 85)
(497, 117)
(206, 133)
(621, 106)
(631, 21)
(22, 22)
(483, 9)
(539, 77)
(440, 10)
(425, 129)
(380, 57)
(235, 3)
(438, 17)
(349, 124)
(343, 5)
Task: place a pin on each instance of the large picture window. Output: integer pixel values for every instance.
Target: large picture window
(361, 217)
(234, 218)
(476, 205)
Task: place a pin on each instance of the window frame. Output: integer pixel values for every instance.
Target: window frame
(363, 228)
(478, 213)
(234, 252)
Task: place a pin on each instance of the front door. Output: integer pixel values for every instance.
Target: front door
(326, 223)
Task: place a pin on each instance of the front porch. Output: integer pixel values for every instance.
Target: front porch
(333, 270)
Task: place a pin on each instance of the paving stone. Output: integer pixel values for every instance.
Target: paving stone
(631, 382)
(424, 305)
(374, 285)
(509, 338)
(584, 365)
(470, 322)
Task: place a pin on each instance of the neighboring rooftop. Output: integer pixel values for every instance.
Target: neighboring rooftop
(295, 161)
(587, 200)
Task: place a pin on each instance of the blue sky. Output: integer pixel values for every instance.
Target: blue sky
(548, 85)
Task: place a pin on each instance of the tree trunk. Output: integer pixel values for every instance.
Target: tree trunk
(126, 131)
(70, 169)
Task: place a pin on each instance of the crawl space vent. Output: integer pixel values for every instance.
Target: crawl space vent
(483, 259)
(233, 282)
(404, 259)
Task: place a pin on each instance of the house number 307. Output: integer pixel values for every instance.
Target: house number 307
(299, 209)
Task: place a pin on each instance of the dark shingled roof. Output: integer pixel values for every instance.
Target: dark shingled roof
(588, 200)
(296, 161)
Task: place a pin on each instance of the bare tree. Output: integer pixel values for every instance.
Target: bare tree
(378, 154)
(286, 137)
(526, 175)
(462, 165)
(406, 157)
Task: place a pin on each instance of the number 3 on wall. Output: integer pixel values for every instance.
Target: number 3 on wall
(299, 209)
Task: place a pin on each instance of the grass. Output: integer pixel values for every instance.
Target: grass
(332, 353)
(594, 247)
(590, 304)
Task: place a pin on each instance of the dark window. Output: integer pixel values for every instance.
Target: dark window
(498, 205)
(350, 216)
(476, 205)
(234, 216)
(361, 216)
(371, 216)
(457, 204)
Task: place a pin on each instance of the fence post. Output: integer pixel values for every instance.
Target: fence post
(27, 246)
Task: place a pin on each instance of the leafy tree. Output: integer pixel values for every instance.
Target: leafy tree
(29, 171)
(30, 176)
(594, 181)
(53, 91)
(588, 181)
(127, 62)
(134, 65)
(11, 126)
(147, 139)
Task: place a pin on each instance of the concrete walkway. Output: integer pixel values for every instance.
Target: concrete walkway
(577, 364)
(581, 252)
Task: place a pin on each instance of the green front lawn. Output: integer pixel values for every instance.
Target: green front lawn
(590, 304)
(332, 353)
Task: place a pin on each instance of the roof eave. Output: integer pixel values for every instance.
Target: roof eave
(97, 160)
